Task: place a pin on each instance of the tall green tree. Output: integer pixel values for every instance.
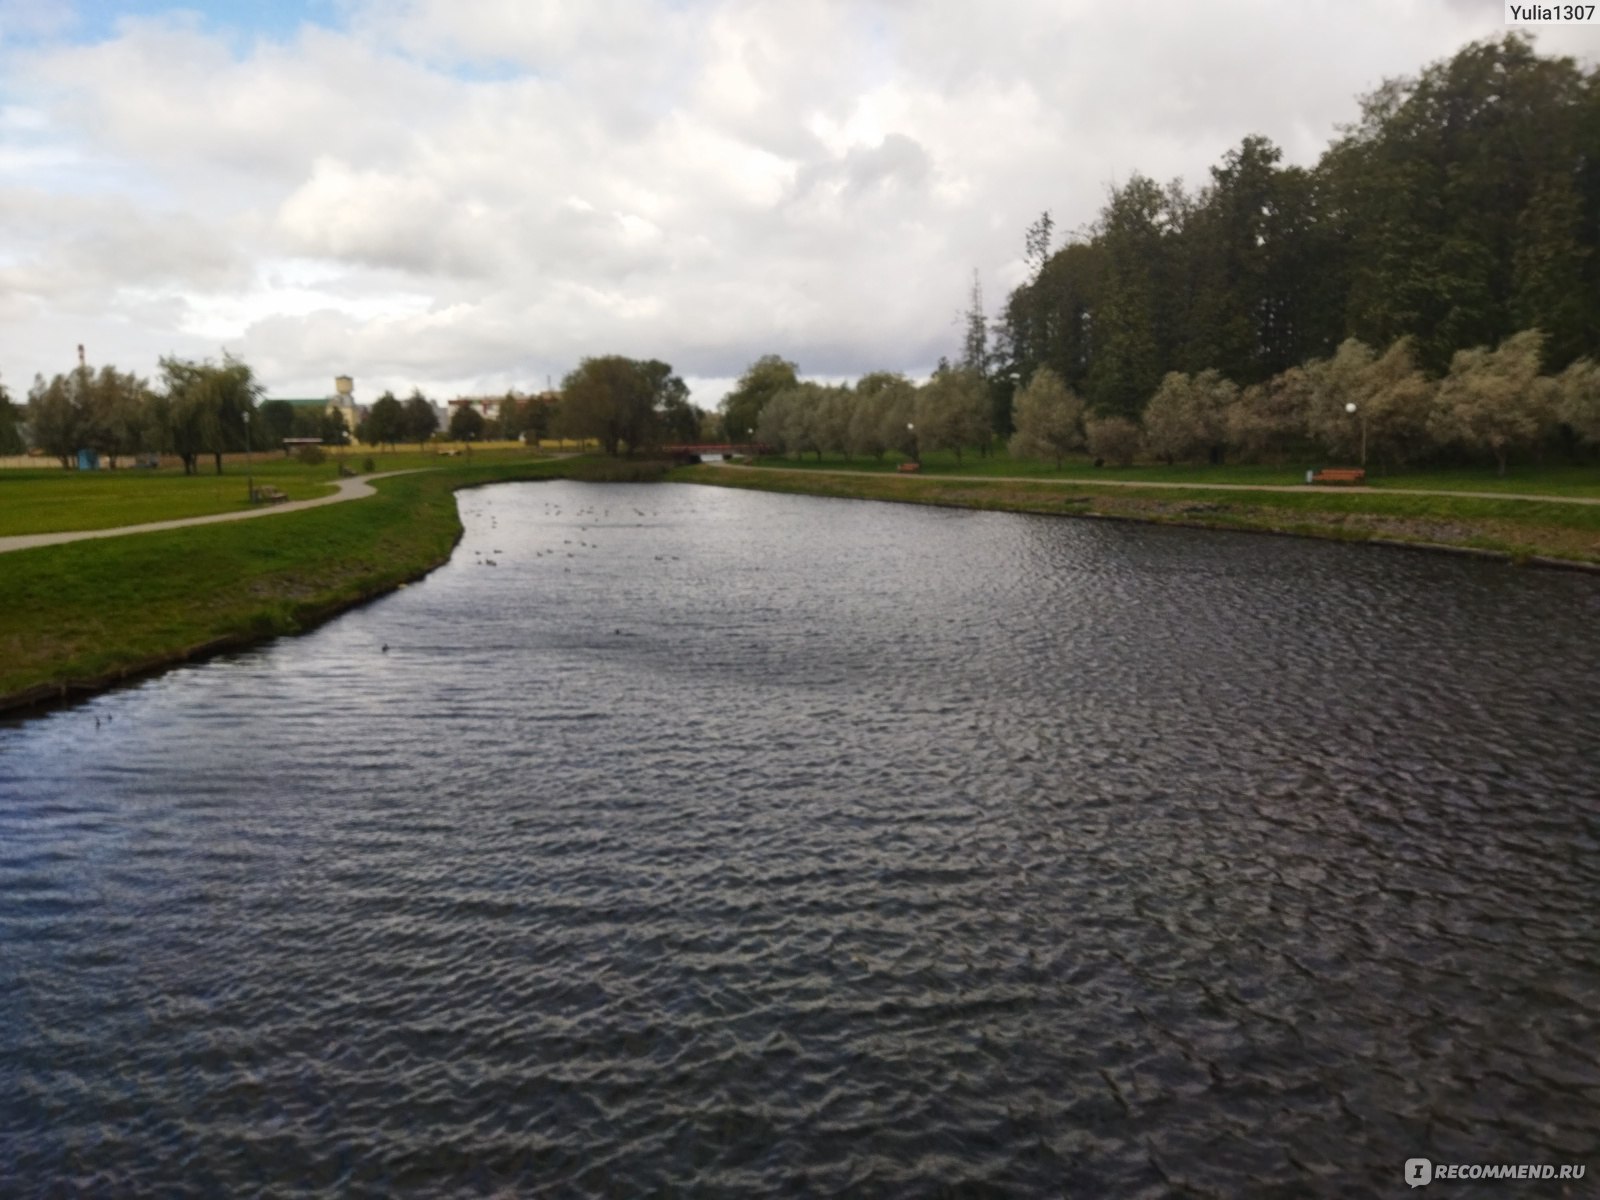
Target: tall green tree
(206, 407)
(55, 416)
(418, 420)
(611, 399)
(762, 380)
(10, 422)
(385, 422)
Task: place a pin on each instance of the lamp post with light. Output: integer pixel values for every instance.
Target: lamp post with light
(911, 430)
(249, 463)
(1353, 409)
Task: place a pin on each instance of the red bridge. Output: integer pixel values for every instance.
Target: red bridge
(718, 448)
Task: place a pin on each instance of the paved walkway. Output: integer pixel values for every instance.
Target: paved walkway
(348, 489)
(1210, 487)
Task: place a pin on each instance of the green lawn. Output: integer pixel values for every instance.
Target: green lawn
(1559, 480)
(126, 604)
(50, 500)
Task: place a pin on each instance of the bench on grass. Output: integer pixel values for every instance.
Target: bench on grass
(1351, 475)
(268, 495)
(909, 468)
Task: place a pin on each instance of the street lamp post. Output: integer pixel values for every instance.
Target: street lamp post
(911, 429)
(1352, 409)
(249, 463)
(750, 442)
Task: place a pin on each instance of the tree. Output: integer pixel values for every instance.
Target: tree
(1495, 400)
(115, 412)
(1037, 245)
(1579, 403)
(975, 345)
(332, 429)
(1112, 439)
(611, 399)
(10, 419)
(186, 410)
(1184, 421)
(952, 411)
(1049, 419)
(1398, 400)
(418, 420)
(880, 398)
(1269, 419)
(207, 407)
(673, 417)
(385, 422)
(277, 422)
(466, 423)
(55, 418)
(762, 380)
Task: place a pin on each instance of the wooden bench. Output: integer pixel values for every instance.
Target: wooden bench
(909, 468)
(1351, 475)
(268, 495)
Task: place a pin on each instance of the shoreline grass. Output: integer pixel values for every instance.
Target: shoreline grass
(81, 617)
(1519, 530)
(1564, 480)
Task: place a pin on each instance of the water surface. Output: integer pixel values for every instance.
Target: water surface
(727, 844)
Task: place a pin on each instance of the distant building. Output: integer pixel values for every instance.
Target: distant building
(488, 406)
(341, 400)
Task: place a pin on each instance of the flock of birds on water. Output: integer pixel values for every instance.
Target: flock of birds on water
(554, 510)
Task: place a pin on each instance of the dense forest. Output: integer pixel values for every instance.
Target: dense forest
(1462, 207)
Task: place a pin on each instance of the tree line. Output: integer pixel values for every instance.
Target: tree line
(1461, 207)
(200, 408)
(1429, 290)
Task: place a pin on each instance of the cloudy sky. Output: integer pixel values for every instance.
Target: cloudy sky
(471, 195)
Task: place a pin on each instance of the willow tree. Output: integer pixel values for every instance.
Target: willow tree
(1495, 400)
(1048, 417)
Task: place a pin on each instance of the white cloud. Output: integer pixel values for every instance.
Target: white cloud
(477, 193)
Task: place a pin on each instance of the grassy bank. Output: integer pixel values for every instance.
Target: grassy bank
(1519, 529)
(1564, 480)
(77, 617)
(50, 500)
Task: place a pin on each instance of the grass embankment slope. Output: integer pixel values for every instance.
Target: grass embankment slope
(1393, 512)
(75, 618)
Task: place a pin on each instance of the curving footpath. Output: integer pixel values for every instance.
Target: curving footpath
(347, 489)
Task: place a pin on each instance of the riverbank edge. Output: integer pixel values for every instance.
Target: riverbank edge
(268, 620)
(838, 485)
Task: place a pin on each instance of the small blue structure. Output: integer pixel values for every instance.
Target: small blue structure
(88, 460)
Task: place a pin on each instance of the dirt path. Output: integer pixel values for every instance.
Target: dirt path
(1210, 487)
(348, 489)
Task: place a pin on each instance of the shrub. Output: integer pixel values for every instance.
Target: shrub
(311, 456)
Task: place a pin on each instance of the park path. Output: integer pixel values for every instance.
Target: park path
(1210, 487)
(347, 489)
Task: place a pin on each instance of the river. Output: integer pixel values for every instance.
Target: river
(724, 844)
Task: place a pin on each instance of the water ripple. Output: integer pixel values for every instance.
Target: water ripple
(773, 845)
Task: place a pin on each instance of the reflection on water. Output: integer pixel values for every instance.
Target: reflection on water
(727, 844)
